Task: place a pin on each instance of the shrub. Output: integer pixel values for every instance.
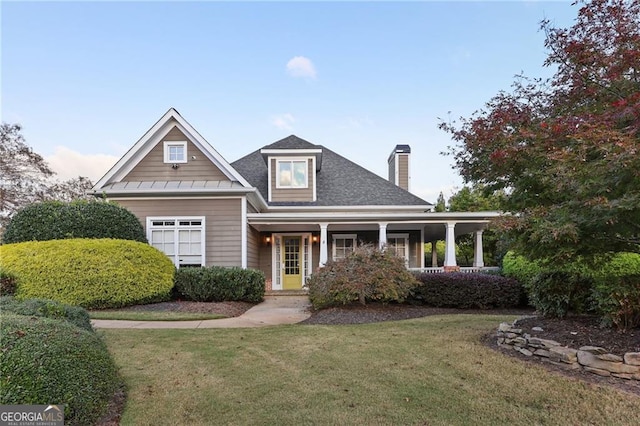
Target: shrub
(51, 361)
(617, 301)
(217, 284)
(8, 283)
(47, 308)
(55, 220)
(464, 291)
(519, 268)
(367, 274)
(100, 273)
(555, 293)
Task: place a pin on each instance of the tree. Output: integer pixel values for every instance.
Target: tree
(475, 199)
(440, 204)
(26, 178)
(566, 149)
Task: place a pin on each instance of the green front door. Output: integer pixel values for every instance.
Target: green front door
(291, 258)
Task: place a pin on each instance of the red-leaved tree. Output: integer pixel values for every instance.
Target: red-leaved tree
(566, 149)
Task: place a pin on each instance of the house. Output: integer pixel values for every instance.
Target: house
(285, 209)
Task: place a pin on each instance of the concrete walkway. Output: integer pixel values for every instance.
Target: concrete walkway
(275, 310)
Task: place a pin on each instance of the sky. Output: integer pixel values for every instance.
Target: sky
(87, 79)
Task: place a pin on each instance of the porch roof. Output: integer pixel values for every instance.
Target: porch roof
(432, 223)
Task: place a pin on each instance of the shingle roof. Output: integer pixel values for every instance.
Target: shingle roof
(340, 181)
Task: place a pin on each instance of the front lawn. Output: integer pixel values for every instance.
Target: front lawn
(431, 370)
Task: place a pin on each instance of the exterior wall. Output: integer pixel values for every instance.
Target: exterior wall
(222, 217)
(403, 171)
(292, 194)
(265, 258)
(152, 167)
(253, 248)
(392, 169)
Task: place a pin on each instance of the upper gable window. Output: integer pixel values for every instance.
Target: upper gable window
(292, 174)
(175, 152)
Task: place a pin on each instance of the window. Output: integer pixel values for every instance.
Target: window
(343, 244)
(175, 152)
(398, 244)
(182, 239)
(292, 174)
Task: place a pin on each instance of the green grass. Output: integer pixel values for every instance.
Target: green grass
(152, 315)
(431, 371)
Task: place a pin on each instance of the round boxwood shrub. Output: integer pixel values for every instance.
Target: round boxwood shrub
(55, 220)
(44, 361)
(47, 308)
(92, 273)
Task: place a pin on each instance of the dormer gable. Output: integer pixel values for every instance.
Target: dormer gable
(292, 167)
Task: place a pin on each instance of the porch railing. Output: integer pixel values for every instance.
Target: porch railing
(463, 269)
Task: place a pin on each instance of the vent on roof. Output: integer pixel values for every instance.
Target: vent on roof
(399, 166)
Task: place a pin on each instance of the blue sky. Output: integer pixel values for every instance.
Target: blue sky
(87, 79)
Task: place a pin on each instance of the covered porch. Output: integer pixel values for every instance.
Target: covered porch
(293, 245)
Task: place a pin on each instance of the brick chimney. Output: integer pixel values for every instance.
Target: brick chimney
(399, 166)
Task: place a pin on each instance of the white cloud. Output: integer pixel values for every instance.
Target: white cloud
(300, 66)
(69, 164)
(283, 121)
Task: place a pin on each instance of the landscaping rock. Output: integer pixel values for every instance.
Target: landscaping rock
(537, 329)
(596, 350)
(542, 352)
(632, 358)
(599, 372)
(609, 357)
(564, 354)
(504, 326)
(536, 342)
(524, 351)
(588, 359)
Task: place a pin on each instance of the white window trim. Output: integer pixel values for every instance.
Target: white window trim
(292, 160)
(406, 244)
(176, 258)
(168, 144)
(353, 237)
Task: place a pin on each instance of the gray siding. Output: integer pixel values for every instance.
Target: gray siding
(293, 194)
(253, 248)
(152, 167)
(222, 217)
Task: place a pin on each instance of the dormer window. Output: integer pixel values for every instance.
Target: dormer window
(292, 174)
(175, 152)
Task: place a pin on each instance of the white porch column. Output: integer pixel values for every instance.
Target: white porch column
(450, 250)
(478, 252)
(434, 254)
(382, 238)
(324, 254)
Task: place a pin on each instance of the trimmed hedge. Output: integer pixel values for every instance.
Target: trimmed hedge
(218, 284)
(555, 293)
(47, 308)
(43, 360)
(365, 275)
(56, 220)
(465, 291)
(92, 273)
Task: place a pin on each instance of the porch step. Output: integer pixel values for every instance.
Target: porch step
(286, 293)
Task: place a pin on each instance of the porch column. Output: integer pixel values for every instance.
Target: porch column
(450, 250)
(434, 254)
(324, 256)
(382, 238)
(478, 255)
